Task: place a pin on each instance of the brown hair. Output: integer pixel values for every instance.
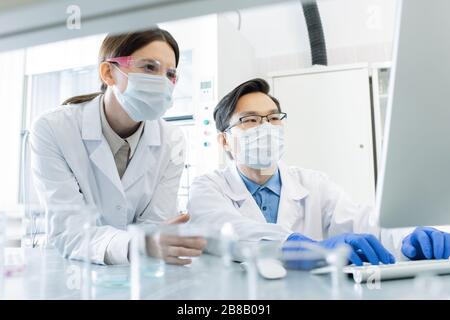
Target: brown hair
(124, 45)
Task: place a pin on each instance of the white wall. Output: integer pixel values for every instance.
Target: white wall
(11, 93)
(199, 34)
(236, 57)
(355, 31)
(63, 54)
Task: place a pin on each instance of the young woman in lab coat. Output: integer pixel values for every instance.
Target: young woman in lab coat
(264, 198)
(112, 149)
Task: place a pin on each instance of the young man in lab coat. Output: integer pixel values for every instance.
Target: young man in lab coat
(264, 199)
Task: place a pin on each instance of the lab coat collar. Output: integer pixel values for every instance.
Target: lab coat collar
(238, 190)
(252, 187)
(290, 183)
(151, 137)
(292, 193)
(152, 133)
(91, 127)
(96, 145)
(100, 153)
(139, 164)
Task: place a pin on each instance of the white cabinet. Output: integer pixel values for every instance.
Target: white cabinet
(329, 124)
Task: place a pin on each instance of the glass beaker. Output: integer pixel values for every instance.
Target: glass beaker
(153, 246)
(76, 236)
(2, 254)
(34, 226)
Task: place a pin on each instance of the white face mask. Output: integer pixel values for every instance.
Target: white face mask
(147, 97)
(260, 147)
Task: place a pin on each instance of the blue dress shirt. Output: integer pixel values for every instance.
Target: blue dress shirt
(267, 196)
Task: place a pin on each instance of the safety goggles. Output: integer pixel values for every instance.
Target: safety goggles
(148, 66)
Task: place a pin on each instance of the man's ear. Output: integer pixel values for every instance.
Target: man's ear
(222, 140)
(106, 74)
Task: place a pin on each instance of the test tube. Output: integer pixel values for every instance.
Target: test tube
(248, 253)
(135, 263)
(337, 258)
(32, 226)
(227, 243)
(81, 219)
(146, 259)
(2, 254)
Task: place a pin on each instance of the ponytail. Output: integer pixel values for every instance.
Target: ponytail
(81, 99)
(85, 97)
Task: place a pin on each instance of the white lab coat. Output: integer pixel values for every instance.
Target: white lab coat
(310, 203)
(72, 164)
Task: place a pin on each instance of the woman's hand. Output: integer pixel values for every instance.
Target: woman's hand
(172, 247)
(181, 218)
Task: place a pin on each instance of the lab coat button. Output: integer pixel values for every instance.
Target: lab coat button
(118, 207)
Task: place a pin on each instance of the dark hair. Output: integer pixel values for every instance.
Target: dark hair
(226, 107)
(125, 44)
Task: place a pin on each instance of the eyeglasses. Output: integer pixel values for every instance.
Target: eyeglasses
(252, 121)
(148, 66)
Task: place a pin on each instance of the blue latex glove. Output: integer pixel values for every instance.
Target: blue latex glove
(426, 243)
(302, 262)
(365, 247)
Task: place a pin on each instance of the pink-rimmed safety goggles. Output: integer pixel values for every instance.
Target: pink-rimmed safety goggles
(148, 66)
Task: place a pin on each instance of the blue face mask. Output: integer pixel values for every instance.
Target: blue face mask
(147, 97)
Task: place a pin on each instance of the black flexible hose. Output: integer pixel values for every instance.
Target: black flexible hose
(315, 33)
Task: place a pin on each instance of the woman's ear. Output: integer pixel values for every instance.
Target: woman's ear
(105, 70)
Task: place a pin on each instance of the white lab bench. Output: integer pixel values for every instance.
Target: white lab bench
(49, 276)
